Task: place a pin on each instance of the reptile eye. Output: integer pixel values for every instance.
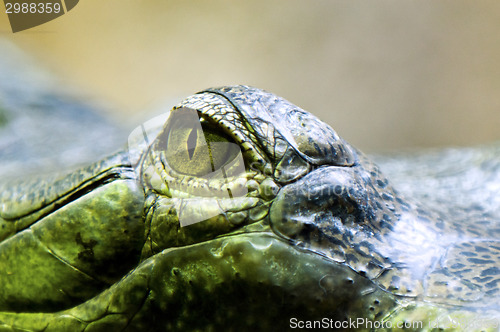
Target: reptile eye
(194, 146)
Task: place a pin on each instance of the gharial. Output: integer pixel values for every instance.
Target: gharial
(240, 210)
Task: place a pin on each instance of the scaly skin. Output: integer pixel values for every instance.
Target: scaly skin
(187, 232)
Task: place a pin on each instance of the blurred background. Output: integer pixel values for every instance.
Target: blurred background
(387, 75)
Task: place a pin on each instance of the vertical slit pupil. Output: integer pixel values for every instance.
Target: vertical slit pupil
(211, 157)
(191, 142)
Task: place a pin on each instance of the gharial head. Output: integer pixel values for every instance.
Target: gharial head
(238, 159)
(238, 210)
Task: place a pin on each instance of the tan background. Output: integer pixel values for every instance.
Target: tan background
(384, 74)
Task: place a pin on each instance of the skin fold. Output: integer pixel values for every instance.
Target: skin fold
(238, 210)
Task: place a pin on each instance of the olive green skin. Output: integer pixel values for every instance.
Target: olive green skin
(59, 251)
(324, 235)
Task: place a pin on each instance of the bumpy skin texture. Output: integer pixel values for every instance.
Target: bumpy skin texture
(303, 226)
